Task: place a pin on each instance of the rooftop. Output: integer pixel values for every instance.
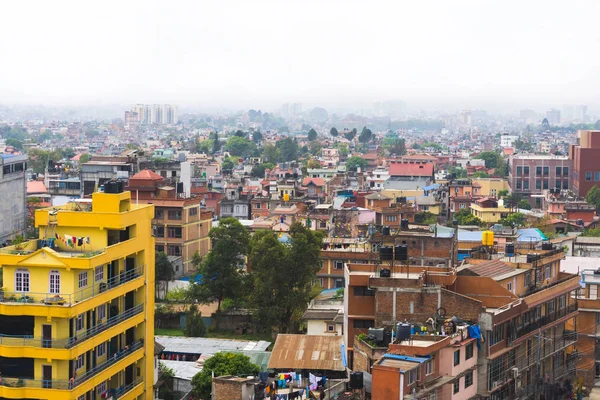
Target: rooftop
(196, 345)
(311, 352)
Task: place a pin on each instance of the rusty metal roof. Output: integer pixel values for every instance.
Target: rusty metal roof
(491, 268)
(312, 352)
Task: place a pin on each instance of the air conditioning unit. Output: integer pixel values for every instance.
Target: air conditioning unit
(515, 372)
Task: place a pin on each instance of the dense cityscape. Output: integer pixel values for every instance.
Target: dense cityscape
(329, 200)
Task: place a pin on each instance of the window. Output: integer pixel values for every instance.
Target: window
(83, 281)
(525, 185)
(468, 378)
(339, 283)
(518, 183)
(79, 325)
(413, 376)
(80, 362)
(596, 176)
(509, 286)
(497, 335)
(100, 273)
(527, 279)
(469, 351)
(538, 184)
(159, 214)
(173, 250)
(174, 214)
(565, 184)
(457, 357)
(588, 176)
(429, 367)
(545, 184)
(566, 171)
(519, 171)
(174, 232)
(558, 171)
(193, 211)
(562, 301)
(551, 307)
(257, 205)
(22, 280)
(538, 171)
(101, 388)
(54, 282)
(321, 282)
(101, 312)
(363, 323)
(101, 349)
(526, 171)
(330, 328)
(160, 248)
(456, 386)
(363, 291)
(338, 264)
(548, 272)
(546, 171)
(160, 231)
(391, 218)
(462, 205)
(173, 174)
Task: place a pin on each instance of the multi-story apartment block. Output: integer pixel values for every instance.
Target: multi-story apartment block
(584, 157)
(77, 307)
(529, 175)
(160, 114)
(13, 189)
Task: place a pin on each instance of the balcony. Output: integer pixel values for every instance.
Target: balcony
(21, 341)
(70, 299)
(70, 385)
(545, 320)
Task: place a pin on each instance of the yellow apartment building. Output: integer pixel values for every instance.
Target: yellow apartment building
(491, 187)
(77, 306)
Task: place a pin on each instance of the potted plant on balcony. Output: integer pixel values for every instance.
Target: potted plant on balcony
(20, 383)
(18, 242)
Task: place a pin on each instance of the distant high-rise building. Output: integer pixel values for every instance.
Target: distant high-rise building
(285, 110)
(553, 116)
(580, 113)
(159, 114)
(527, 116)
(567, 113)
(295, 109)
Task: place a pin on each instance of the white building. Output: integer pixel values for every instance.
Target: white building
(13, 192)
(508, 140)
(325, 314)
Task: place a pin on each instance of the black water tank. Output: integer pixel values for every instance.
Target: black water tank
(402, 331)
(509, 249)
(386, 231)
(532, 258)
(111, 187)
(356, 380)
(401, 253)
(547, 246)
(377, 333)
(404, 224)
(385, 273)
(387, 338)
(386, 253)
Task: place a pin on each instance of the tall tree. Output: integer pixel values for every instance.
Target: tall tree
(240, 147)
(288, 149)
(257, 136)
(282, 275)
(365, 135)
(222, 266)
(356, 162)
(164, 271)
(194, 324)
(312, 135)
(270, 153)
(334, 132)
(593, 196)
(349, 135)
(218, 365)
(395, 145)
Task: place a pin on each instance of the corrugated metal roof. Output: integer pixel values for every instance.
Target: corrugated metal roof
(190, 345)
(312, 352)
(491, 268)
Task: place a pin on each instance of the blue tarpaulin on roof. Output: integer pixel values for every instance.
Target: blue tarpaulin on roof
(431, 187)
(530, 235)
(469, 236)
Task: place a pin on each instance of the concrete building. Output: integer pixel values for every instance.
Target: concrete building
(77, 309)
(508, 140)
(529, 175)
(101, 169)
(13, 192)
(553, 116)
(584, 157)
(159, 114)
(180, 223)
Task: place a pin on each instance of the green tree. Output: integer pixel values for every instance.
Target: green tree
(503, 193)
(464, 217)
(205, 146)
(240, 133)
(492, 159)
(591, 232)
(258, 171)
(349, 135)
(334, 132)
(84, 158)
(240, 147)
(227, 166)
(315, 147)
(288, 149)
(214, 136)
(312, 163)
(480, 174)
(312, 135)
(593, 196)
(164, 271)
(270, 153)
(355, 162)
(46, 135)
(524, 204)
(458, 171)
(515, 219)
(282, 275)
(365, 135)
(394, 145)
(425, 217)
(194, 326)
(16, 143)
(223, 363)
(257, 137)
(343, 149)
(221, 269)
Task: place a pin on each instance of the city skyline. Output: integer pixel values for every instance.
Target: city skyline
(463, 55)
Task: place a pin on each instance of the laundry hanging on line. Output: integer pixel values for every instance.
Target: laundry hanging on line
(73, 241)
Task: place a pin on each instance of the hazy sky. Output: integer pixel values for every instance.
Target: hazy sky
(263, 53)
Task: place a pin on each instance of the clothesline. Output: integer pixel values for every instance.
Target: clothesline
(73, 241)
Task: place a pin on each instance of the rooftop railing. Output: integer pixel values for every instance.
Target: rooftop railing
(69, 299)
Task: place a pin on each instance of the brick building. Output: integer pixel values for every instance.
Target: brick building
(584, 157)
